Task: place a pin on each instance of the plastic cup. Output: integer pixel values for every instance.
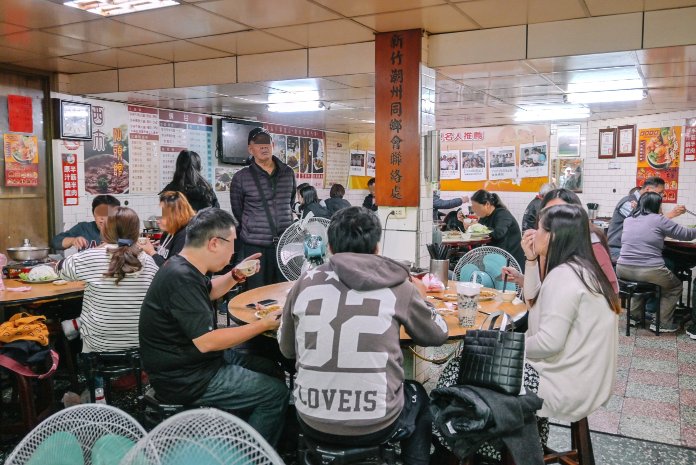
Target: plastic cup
(467, 302)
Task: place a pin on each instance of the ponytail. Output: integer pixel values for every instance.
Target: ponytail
(124, 260)
(483, 197)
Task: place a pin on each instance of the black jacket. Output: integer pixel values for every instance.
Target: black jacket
(506, 233)
(468, 416)
(200, 196)
(316, 209)
(529, 218)
(369, 202)
(277, 188)
(334, 204)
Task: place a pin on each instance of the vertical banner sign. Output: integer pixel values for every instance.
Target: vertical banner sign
(690, 140)
(70, 192)
(658, 155)
(397, 135)
(19, 112)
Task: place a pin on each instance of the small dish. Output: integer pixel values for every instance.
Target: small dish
(38, 281)
(60, 282)
(248, 267)
(508, 296)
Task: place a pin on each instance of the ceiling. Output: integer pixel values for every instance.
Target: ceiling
(45, 35)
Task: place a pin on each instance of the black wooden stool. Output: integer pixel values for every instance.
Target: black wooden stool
(110, 365)
(312, 453)
(629, 289)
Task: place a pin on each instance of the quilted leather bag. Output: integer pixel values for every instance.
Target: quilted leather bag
(493, 359)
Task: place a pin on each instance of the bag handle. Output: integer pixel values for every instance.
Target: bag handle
(17, 367)
(27, 317)
(492, 318)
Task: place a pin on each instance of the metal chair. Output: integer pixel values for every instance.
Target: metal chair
(109, 365)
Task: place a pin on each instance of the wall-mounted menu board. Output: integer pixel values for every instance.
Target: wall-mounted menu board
(504, 158)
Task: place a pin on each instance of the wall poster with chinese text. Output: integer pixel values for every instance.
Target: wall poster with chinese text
(304, 151)
(502, 163)
(371, 162)
(690, 140)
(107, 155)
(21, 160)
(534, 160)
(658, 155)
(449, 164)
(71, 193)
(357, 162)
(473, 165)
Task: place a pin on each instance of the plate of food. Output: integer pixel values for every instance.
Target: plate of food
(478, 230)
(263, 312)
(39, 274)
(661, 149)
(487, 294)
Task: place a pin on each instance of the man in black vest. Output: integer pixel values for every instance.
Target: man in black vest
(261, 196)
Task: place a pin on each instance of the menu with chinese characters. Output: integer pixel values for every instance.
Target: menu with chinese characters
(304, 151)
(19, 113)
(144, 149)
(184, 131)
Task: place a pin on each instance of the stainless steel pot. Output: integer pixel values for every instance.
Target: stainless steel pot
(27, 252)
(150, 224)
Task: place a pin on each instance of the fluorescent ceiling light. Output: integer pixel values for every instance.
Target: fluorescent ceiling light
(625, 95)
(291, 107)
(552, 113)
(118, 7)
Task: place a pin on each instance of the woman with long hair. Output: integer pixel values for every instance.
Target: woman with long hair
(597, 236)
(189, 181)
(176, 214)
(117, 274)
(309, 201)
(494, 215)
(642, 241)
(572, 339)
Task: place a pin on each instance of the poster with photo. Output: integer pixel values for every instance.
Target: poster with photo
(292, 151)
(357, 163)
(473, 165)
(502, 163)
(317, 148)
(449, 164)
(223, 176)
(534, 161)
(21, 160)
(305, 155)
(371, 164)
(658, 155)
(567, 174)
(107, 155)
(279, 147)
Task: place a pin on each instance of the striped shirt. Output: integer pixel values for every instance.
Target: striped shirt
(110, 312)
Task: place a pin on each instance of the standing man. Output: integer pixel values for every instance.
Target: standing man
(341, 321)
(370, 203)
(186, 359)
(262, 195)
(626, 206)
(87, 234)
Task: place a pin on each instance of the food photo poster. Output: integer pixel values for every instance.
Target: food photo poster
(658, 155)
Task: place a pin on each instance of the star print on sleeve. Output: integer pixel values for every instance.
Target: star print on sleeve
(331, 275)
(310, 273)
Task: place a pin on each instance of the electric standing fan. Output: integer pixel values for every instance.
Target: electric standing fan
(484, 265)
(204, 436)
(302, 246)
(97, 434)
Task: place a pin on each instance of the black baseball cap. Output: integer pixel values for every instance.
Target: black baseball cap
(261, 134)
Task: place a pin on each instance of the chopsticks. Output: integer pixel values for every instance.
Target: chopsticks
(505, 278)
(690, 212)
(439, 251)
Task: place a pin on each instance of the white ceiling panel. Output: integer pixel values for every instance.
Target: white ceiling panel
(40, 13)
(246, 43)
(108, 32)
(326, 33)
(270, 13)
(361, 8)
(60, 65)
(115, 58)
(613, 7)
(178, 50)
(436, 19)
(47, 44)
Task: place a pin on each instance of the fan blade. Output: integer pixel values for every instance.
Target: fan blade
(290, 251)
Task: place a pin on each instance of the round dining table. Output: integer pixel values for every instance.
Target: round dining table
(240, 313)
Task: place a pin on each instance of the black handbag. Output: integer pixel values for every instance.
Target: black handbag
(493, 359)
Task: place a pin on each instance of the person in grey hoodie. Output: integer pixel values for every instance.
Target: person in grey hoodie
(341, 322)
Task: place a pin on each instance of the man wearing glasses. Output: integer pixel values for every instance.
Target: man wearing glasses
(188, 361)
(261, 196)
(626, 206)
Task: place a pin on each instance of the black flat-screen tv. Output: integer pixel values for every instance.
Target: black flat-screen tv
(232, 140)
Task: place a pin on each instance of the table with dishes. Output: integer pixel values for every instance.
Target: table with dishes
(464, 240)
(38, 293)
(444, 301)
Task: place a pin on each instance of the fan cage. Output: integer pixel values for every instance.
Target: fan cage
(203, 435)
(476, 257)
(87, 422)
(290, 250)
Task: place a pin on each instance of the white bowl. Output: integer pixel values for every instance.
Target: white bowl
(248, 267)
(508, 296)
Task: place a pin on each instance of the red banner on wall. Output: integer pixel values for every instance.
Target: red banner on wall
(397, 107)
(19, 113)
(69, 174)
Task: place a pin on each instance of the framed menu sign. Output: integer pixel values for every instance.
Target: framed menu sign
(607, 143)
(74, 120)
(626, 146)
